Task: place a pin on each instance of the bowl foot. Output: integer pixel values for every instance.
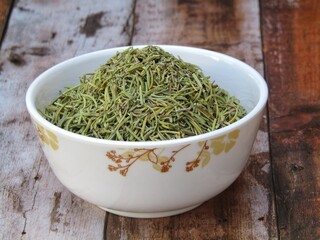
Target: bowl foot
(150, 214)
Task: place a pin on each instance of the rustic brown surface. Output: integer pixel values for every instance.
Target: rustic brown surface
(276, 196)
(291, 36)
(5, 6)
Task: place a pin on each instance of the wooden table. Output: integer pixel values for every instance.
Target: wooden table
(278, 194)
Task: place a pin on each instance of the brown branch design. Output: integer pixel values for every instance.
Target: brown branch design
(195, 163)
(122, 162)
(166, 165)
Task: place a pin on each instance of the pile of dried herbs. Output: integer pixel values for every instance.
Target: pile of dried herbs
(144, 94)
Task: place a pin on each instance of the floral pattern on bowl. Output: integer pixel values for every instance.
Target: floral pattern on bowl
(47, 137)
(123, 161)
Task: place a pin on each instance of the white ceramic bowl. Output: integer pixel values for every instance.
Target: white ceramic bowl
(150, 179)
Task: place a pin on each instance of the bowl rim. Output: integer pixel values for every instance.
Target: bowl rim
(36, 116)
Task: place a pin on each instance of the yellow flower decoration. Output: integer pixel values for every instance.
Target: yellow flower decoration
(47, 137)
(225, 142)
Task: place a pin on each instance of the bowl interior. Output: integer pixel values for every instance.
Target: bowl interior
(239, 79)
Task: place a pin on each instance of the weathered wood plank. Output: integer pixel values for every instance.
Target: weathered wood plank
(245, 210)
(34, 205)
(231, 27)
(5, 6)
(291, 35)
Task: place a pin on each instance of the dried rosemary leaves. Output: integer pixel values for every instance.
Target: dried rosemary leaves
(144, 94)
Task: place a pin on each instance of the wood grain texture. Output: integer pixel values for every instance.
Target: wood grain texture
(245, 210)
(231, 27)
(291, 36)
(34, 205)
